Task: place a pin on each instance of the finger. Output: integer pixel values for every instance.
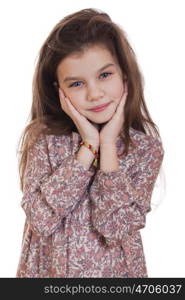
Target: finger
(68, 102)
(74, 112)
(125, 88)
(63, 102)
(70, 109)
(122, 101)
(61, 96)
(61, 93)
(121, 104)
(125, 93)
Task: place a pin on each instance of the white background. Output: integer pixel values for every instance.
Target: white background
(155, 31)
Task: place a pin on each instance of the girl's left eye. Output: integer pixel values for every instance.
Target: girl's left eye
(106, 73)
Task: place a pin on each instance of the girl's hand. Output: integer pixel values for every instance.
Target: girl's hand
(87, 131)
(112, 128)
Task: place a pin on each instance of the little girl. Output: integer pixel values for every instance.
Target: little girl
(90, 155)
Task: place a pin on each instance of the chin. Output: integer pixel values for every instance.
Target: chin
(105, 118)
(102, 121)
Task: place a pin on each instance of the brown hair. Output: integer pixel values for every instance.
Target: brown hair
(75, 33)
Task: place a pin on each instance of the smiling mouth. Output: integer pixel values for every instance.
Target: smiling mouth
(100, 108)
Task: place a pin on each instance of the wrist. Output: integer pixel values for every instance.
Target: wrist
(108, 144)
(94, 144)
(94, 150)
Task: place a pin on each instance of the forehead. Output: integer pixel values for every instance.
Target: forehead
(93, 58)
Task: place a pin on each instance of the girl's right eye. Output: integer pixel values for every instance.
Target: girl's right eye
(74, 84)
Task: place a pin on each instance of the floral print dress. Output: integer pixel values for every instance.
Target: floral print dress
(86, 223)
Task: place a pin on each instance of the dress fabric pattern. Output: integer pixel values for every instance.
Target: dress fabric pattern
(86, 223)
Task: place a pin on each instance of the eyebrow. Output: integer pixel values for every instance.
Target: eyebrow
(101, 69)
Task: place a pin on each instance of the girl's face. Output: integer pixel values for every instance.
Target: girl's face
(92, 79)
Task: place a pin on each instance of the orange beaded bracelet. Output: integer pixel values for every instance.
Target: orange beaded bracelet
(90, 147)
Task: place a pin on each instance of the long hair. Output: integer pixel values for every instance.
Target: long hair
(75, 33)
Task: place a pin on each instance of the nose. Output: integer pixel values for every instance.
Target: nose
(94, 93)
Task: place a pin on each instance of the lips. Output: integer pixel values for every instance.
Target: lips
(100, 107)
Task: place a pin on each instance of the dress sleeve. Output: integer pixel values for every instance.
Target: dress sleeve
(49, 197)
(120, 201)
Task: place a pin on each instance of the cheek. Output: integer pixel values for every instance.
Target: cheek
(120, 89)
(117, 92)
(76, 102)
(116, 89)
